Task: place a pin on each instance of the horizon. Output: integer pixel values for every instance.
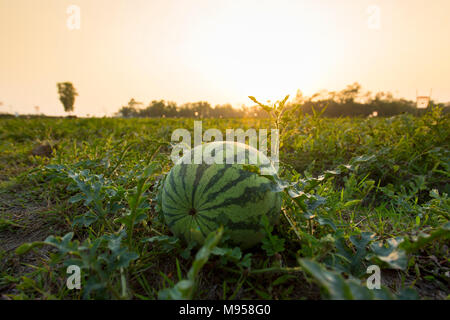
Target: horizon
(220, 52)
(139, 106)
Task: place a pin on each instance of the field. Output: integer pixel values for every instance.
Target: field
(359, 192)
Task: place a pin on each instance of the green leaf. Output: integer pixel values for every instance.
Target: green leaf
(273, 245)
(85, 220)
(338, 288)
(64, 244)
(282, 279)
(76, 198)
(327, 222)
(352, 203)
(5, 223)
(24, 248)
(246, 261)
(350, 259)
(419, 242)
(167, 243)
(233, 254)
(332, 282)
(390, 253)
(265, 107)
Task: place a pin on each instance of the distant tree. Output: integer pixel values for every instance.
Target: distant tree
(171, 110)
(386, 96)
(67, 94)
(350, 93)
(201, 109)
(127, 112)
(130, 110)
(155, 109)
(133, 103)
(354, 102)
(225, 111)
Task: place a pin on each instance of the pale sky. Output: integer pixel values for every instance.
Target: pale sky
(220, 51)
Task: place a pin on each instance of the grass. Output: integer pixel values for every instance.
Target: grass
(361, 192)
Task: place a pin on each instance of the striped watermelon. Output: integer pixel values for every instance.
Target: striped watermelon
(198, 198)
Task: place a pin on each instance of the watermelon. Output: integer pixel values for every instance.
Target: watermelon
(199, 198)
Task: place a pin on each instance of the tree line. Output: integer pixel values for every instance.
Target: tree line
(201, 109)
(351, 101)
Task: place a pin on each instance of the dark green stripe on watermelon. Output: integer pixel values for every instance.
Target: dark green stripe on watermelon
(249, 194)
(200, 169)
(174, 188)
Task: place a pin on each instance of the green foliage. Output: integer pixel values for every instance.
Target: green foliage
(390, 253)
(101, 260)
(234, 255)
(350, 259)
(337, 288)
(184, 289)
(271, 244)
(356, 192)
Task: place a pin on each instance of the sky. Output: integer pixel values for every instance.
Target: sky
(220, 51)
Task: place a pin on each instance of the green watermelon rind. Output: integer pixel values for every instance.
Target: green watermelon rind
(220, 194)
